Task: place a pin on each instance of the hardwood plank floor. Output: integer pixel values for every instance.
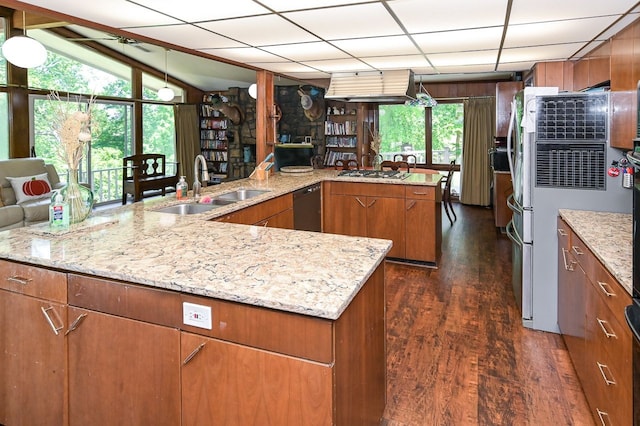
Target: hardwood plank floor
(457, 353)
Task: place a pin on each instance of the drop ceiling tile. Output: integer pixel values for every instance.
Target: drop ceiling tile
(466, 69)
(357, 21)
(378, 46)
(397, 62)
(263, 30)
(187, 35)
(197, 11)
(515, 66)
(468, 58)
(289, 5)
(339, 65)
(420, 16)
(244, 54)
(540, 53)
(551, 10)
(307, 51)
(462, 40)
(283, 67)
(548, 33)
(128, 14)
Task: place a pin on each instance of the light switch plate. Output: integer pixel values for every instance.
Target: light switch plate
(196, 315)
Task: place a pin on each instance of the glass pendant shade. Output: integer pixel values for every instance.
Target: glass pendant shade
(253, 91)
(166, 94)
(24, 52)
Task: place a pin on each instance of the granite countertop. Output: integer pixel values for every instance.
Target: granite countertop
(275, 268)
(610, 238)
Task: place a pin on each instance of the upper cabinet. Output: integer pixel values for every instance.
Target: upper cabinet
(553, 74)
(505, 90)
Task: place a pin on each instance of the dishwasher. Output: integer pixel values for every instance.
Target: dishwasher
(307, 206)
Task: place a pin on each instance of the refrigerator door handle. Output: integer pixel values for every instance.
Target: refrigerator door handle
(513, 205)
(513, 236)
(512, 119)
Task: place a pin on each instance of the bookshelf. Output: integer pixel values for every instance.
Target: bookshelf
(341, 133)
(215, 136)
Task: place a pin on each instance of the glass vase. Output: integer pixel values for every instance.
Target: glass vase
(78, 197)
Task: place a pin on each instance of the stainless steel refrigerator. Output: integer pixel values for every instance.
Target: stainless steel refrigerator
(560, 155)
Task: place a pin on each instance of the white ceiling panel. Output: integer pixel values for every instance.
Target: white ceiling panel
(548, 33)
(397, 62)
(539, 53)
(197, 10)
(307, 51)
(460, 41)
(420, 16)
(189, 36)
(469, 58)
(285, 67)
(525, 11)
(290, 5)
(338, 65)
(358, 21)
(244, 54)
(275, 30)
(396, 45)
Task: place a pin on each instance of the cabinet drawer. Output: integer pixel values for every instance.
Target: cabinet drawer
(127, 300)
(583, 254)
(33, 281)
(564, 234)
(610, 290)
(416, 192)
(254, 214)
(283, 332)
(368, 189)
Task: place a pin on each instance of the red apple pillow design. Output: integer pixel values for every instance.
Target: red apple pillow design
(29, 188)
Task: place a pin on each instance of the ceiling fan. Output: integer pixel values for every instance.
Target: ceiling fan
(120, 39)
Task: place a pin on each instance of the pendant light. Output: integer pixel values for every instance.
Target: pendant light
(23, 51)
(253, 91)
(166, 93)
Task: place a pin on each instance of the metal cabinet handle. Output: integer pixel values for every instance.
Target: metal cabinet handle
(19, 280)
(606, 292)
(602, 415)
(567, 266)
(411, 205)
(45, 311)
(420, 193)
(577, 250)
(604, 329)
(562, 232)
(360, 202)
(194, 353)
(608, 381)
(76, 323)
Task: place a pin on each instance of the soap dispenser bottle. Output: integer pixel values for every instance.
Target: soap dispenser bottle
(58, 212)
(181, 189)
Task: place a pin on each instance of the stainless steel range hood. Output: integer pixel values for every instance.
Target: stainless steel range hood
(372, 86)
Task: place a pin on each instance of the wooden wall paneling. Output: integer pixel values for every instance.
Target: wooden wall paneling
(265, 129)
(636, 53)
(580, 74)
(599, 70)
(622, 62)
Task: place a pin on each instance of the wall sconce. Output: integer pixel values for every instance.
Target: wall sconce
(23, 51)
(253, 91)
(166, 93)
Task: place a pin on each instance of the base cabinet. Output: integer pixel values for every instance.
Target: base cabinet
(33, 357)
(274, 213)
(591, 318)
(229, 384)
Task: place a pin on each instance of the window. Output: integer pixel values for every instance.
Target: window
(158, 132)
(406, 130)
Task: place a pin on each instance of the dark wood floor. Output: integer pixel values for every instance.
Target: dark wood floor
(457, 353)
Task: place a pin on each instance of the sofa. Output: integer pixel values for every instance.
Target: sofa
(26, 186)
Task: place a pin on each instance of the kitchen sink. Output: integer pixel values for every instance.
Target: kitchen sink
(194, 208)
(240, 194)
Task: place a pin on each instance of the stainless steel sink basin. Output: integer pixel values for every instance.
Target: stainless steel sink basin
(240, 194)
(194, 208)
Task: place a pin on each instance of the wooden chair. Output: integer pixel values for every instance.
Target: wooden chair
(395, 165)
(446, 192)
(346, 165)
(145, 172)
(409, 158)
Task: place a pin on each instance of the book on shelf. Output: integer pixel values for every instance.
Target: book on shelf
(213, 134)
(340, 128)
(209, 111)
(207, 123)
(331, 156)
(213, 144)
(342, 141)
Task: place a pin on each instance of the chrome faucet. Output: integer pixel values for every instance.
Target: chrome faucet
(197, 186)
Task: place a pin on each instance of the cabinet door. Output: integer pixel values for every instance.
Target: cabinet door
(32, 361)
(420, 224)
(122, 371)
(229, 384)
(348, 215)
(283, 220)
(385, 219)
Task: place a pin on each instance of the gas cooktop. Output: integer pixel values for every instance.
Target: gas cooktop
(379, 174)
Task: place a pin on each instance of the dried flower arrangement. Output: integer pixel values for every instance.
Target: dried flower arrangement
(71, 127)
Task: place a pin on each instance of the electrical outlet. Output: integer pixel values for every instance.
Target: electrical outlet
(196, 315)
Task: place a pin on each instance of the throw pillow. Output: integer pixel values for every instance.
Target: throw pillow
(30, 187)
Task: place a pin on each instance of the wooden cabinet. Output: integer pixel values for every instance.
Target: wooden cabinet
(275, 213)
(601, 349)
(624, 119)
(554, 74)
(124, 368)
(502, 188)
(591, 71)
(33, 360)
(423, 218)
(215, 136)
(505, 90)
(368, 210)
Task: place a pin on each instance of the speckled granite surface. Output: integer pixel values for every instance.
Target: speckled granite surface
(610, 238)
(296, 271)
